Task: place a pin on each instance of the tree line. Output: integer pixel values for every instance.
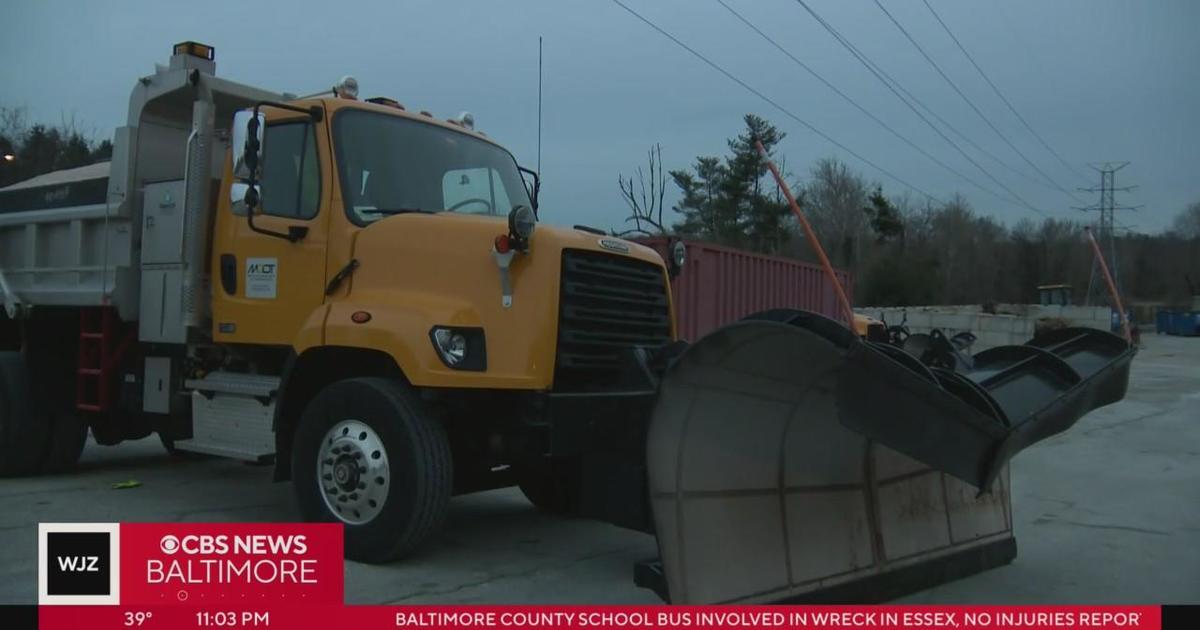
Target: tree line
(28, 150)
(902, 251)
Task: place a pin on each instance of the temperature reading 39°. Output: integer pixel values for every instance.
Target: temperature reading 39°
(137, 618)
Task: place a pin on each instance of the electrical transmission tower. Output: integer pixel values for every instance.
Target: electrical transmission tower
(1106, 227)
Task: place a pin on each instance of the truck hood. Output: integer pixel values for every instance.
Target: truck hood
(450, 230)
(428, 270)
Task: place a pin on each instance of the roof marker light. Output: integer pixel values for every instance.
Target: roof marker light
(195, 49)
(383, 100)
(466, 119)
(347, 88)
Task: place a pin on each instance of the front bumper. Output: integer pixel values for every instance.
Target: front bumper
(605, 434)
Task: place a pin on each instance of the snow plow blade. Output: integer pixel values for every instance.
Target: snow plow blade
(791, 461)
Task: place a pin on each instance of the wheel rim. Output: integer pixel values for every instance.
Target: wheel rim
(352, 472)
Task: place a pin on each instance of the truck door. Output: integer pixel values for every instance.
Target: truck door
(266, 287)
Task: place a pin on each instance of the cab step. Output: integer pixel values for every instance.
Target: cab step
(232, 415)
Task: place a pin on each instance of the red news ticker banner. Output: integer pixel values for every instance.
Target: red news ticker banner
(290, 576)
(310, 617)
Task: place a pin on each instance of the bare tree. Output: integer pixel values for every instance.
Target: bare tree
(835, 198)
(645, 197)
(13, 123)
(1187, 222)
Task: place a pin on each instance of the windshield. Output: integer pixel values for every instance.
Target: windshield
(390, 165)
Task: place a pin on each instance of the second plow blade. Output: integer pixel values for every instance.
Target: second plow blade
(790, 460)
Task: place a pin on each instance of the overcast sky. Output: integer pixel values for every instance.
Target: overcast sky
(1099, 80)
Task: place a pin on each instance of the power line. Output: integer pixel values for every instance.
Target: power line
(1130, 230)
(887, 82)
(772, 102)
(966, 139)
(967, 100)
(999, 93)
(848, 99)
(894, 85)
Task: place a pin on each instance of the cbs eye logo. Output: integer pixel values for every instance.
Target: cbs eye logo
(169, 544)
(78, 563)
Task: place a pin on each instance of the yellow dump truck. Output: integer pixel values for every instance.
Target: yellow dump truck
(364, 295)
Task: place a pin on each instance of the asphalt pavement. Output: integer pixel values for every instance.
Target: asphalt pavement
(1108, 512)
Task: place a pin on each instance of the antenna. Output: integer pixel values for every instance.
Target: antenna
(539, 143)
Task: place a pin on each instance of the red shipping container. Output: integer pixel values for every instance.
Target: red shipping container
(719, 285)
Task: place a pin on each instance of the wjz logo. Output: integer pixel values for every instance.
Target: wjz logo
(78, 563)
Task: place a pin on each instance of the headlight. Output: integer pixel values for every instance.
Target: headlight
(679, 254)
(452, 345)
(521, 222)
(460, 348)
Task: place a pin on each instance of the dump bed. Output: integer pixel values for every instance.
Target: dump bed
(132, 232)
(63, 241)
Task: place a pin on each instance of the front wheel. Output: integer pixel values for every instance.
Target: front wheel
(366, 454)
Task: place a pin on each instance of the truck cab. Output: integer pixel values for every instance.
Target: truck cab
(359, 293)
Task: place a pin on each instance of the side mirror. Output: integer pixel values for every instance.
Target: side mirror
(245, 196)
(248, 144)
(533, 189)
(238, 191)
(678, 252)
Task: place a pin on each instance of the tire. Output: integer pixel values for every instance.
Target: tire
(67, 429)
(104, 430)
(168, 444)
(112, 427)
(23, 434)
(68, 434)
(337, 438)
(551, 486)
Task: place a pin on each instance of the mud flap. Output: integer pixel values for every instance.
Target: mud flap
(789, 460)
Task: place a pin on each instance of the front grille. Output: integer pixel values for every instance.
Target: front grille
(607, 305)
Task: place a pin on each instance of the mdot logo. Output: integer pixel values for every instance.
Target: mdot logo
(262, 276)
(78, 563)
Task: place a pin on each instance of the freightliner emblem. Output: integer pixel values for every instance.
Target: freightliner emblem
(612, 245)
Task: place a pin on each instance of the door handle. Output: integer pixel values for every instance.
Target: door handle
(229, 274)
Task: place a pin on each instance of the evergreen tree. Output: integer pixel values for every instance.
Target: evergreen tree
(886, 221)
(726, 200)
(38, 149)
